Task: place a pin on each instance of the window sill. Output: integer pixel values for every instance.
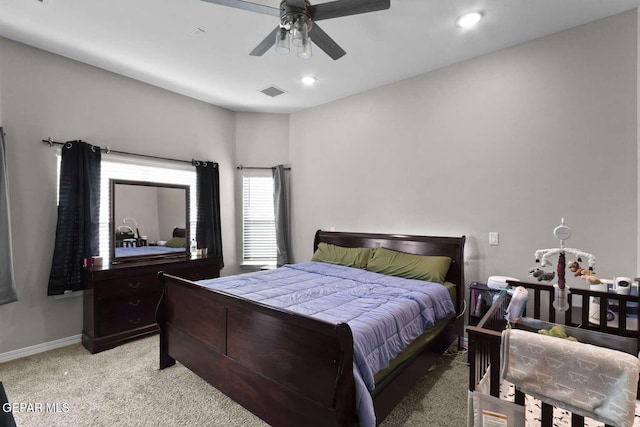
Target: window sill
(69, 294)
(253, 266)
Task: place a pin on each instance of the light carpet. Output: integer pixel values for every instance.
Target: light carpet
(124, 387)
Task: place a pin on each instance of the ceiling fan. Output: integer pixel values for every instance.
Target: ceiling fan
(298, 23)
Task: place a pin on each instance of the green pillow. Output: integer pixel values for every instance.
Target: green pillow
(176, 242)
(409, 266)
(350, 257)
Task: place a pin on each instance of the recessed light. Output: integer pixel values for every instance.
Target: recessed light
(469, 20)
(308, 80)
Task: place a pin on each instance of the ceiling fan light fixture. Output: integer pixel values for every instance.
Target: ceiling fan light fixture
(298, 18)
(282, 42)
(300, 31)
(304, 51)
(469, 20)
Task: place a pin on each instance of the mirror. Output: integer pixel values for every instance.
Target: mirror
(148, 220)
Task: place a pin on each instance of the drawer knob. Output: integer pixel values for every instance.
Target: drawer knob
(134, 285)
(135, 322)
(135, 303)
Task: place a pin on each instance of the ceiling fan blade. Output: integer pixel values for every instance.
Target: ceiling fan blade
(265, 44)
(339, 8)
(326, 43)
(247, 5)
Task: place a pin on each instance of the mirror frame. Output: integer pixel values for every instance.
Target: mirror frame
(112, 223)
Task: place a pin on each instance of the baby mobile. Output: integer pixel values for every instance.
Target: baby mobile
(562, 233)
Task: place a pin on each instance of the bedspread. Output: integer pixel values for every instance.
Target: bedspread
(147, 250)
(385, 313)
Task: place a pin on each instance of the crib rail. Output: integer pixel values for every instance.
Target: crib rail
(484, 338)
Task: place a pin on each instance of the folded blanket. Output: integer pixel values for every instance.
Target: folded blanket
(587, 380)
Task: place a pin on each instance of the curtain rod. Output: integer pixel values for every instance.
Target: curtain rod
(49, 141)
(240, 167)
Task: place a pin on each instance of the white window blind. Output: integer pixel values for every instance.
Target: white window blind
(114, 166)
(258, 223)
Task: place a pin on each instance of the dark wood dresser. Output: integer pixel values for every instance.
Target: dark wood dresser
(120, 300)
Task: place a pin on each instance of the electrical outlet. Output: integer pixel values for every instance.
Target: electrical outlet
(494, 238)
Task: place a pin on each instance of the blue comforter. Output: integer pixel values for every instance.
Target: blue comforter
(147, 250)
(385, 313)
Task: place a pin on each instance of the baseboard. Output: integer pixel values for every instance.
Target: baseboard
(39, 348)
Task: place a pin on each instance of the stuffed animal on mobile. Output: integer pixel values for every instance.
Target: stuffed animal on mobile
(541, 275)
(588, 275)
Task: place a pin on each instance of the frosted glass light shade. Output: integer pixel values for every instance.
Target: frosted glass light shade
(304, 51)
(282, 42)
(299, 32)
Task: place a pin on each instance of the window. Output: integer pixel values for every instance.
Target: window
(139, 169)
(258, 222)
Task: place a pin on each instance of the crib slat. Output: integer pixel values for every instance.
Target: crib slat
(622, 317)
(550, 309)
(536, 303)
(577, 420)
(547, 415)
(585, 311)
(519, 398)
(604, 305)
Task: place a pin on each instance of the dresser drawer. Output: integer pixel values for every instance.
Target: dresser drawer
(120, 299)
(194, 274)
(134, 285)
(130, 304)
(121, 315)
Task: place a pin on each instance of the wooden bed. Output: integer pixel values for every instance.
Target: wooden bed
(484, 339)
(286, 368)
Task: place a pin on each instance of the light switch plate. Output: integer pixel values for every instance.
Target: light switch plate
(494, 239)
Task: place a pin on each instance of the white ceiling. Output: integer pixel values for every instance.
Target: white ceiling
(152, 41)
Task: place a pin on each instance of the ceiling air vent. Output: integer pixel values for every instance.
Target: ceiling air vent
(272, 91)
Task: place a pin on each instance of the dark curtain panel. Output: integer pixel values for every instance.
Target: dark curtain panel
(7, 279)
(78, 216)
(208, 228)
(281, 210)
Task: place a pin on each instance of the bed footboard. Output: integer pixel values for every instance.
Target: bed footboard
(258, 355)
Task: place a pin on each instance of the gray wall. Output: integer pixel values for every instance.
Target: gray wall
(507, 142)
(139, 202)
(171, 211)
(262, 140)
(638, 135)
(47, 95)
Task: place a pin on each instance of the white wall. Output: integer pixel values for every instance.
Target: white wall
(638, 132)
(139, 202)
(262, 140)
(171, 211)
(47, 95)
(507, 142)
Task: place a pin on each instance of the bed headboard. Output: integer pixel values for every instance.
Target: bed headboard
(179, 232)
(453, 247)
